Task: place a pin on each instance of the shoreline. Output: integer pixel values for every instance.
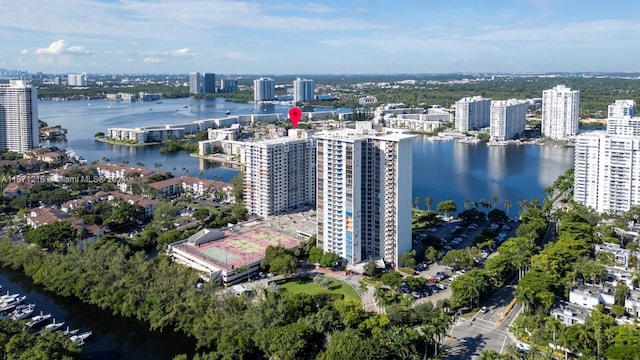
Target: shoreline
(116, 142)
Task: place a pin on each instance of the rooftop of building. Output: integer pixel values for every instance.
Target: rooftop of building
(234, 250)
(576, 311)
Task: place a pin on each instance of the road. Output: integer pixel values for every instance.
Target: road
(468, 338)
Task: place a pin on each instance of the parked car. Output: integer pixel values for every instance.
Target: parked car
(484, 310)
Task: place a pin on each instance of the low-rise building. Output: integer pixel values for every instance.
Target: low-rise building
(226, 256)
(570, 314)
(45, 215)
(590, 296)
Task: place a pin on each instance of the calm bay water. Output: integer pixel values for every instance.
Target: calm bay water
(442, 170)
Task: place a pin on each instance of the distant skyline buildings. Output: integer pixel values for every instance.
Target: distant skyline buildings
(195, 83)
(472, 113)
(18, 116)
(264, 89)
(560, 112)
(209, 83)
(228, 85)
(303, 90)
(76, 80)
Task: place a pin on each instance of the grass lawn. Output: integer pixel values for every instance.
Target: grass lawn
(308, 286)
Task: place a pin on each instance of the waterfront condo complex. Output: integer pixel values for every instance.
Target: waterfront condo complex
(607, 172)
(472, 113)
(560, 112)
(18, 116)
(279, 174)
(264, 89)
(364, 182)
(508, 119)
(303, 90)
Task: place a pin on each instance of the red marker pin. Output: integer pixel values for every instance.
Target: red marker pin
(294, 114)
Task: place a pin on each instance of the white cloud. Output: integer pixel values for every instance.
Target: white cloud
(24, 51)
(60, 47)
(319, 8)
(152, 60)
(236, 55)
(180, 52)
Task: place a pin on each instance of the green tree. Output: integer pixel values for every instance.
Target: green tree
(237, 183)
(391, 278)
(315, 254)
(370, 268)
(432, 255)
(428, 201)
(447, 207)
(507, 206)
(329, 259)
(408, 259)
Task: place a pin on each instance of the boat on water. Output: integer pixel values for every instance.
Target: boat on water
(227, 112)
(185, 106)
(52, 327)
(8, 297)
(22, 313)
(14, 302)
(80, 338)
(38, 320)
(69, 332)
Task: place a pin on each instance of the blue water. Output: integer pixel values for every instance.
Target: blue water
(442, 170)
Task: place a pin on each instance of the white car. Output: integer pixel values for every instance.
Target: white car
(484, 310)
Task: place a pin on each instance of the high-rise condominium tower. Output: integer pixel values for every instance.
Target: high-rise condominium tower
(196, 83)
(264, 89)
(209, 83)
(303, 90)
(18, 116)
(508, 119)
(364, 186)
(280, 174)
(560, 112)
(607, 171)
(472, 113)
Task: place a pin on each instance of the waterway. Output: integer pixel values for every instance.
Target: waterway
(113, 337)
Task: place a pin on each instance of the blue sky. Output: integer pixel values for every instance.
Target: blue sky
(319, 37)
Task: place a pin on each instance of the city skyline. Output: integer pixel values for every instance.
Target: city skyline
(359, 36)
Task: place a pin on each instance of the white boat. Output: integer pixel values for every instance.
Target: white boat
(80, 338)
(69, 332)
(38, 319)
(22, 313)
(8, 297)
(14, 302)
(52, 327)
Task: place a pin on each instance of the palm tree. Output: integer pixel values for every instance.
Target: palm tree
(467, 204)
(507, 206)
(553, 325)
(523, 204)
(494, 200)
(428, 201)
(416, 202)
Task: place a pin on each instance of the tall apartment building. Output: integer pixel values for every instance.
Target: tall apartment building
(607, 171)
(18, 116)
(76, 80)
(196, 81)
(508, 119)
(473, 113)
(623, 126)
(264, 89)
(560, 112)
(303, 90)
(364, 185)
(280, 174)
(622, 108)
(209, 83)
(228, 85)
